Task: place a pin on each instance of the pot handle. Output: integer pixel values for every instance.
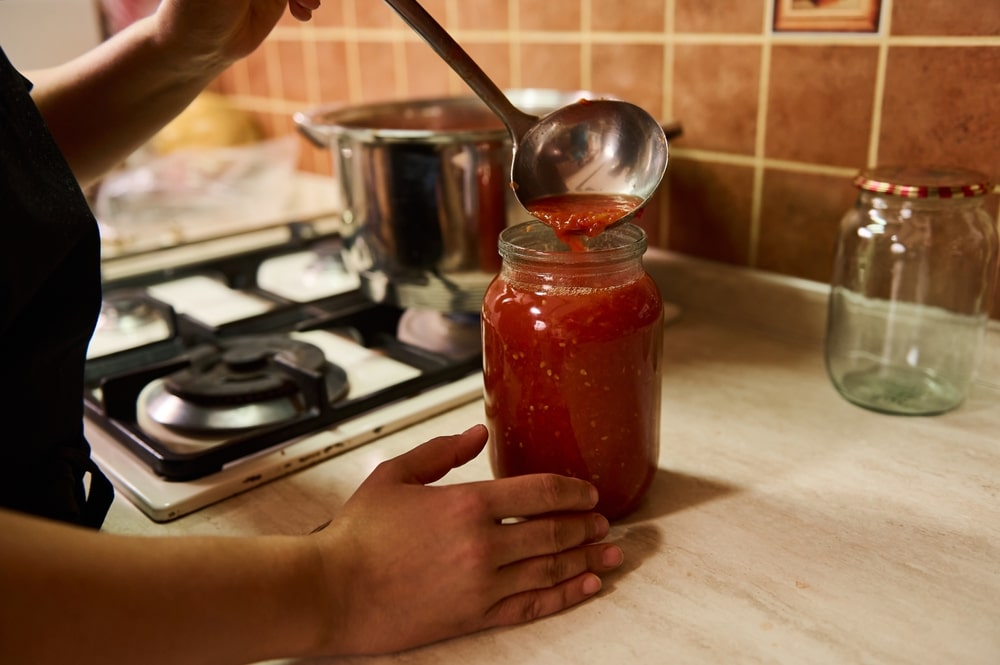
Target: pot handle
(672, 129)
(311, 130)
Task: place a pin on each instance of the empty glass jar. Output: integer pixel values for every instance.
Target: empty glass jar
(911, 290)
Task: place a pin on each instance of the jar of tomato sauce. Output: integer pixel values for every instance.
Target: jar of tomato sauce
(571, 361)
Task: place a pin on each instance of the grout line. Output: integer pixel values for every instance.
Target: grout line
(352, 52)
(310, 63)
(667, 104)
(751, 161)
(272, 61)
(450, 22)
(885, 26)
(760, 137)
(514, 43)
(400, 66)
(943, 40)
(613, 37)
(667, 101)
(586, 45)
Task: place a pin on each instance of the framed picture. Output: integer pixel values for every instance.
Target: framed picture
(826, 15)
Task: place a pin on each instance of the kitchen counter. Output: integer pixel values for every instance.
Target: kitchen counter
(785, 525)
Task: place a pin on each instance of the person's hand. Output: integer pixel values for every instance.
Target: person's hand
(408, 564)
(223, 31)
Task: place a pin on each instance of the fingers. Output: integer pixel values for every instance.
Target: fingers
(430, 461)
(303, 9)
(542, 600)
(519, 496)
(538, 494)
(544, 572)
(545, 536)
(536, 604)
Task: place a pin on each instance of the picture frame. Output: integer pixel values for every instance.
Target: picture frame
(826, 15)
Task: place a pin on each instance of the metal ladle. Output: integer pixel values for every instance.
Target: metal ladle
(590, 147)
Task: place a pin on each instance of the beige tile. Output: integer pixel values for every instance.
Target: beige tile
(378, 71)
(715, 90)
(819, 106)
(313, 159)
(257, 67)
(483, 14)
(946, 17)
(294, 86)
(231, 81)
(330, 14)
(938, 101)
(284, 124)
(633, 72)
(374, 15)
(799, 220)
(720, 16)
(941, 107)
(627, 15)
(331, 67)
(426, 74)
(710, 210)
(548, 15)
(555, 66)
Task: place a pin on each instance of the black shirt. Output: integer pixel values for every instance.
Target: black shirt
(50, 297)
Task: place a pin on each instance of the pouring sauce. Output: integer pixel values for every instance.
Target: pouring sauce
(582, 214)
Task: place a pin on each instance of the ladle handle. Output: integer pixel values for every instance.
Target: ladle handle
(517, 121)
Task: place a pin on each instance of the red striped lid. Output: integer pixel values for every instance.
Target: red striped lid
(922, 183)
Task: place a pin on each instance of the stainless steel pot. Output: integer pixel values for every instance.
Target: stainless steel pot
(425, 187)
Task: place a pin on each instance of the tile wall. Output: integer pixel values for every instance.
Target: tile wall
(775, 124)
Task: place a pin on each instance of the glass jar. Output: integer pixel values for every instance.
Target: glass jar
(571, 358)
(911, 289)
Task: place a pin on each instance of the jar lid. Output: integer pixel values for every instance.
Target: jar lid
(923, 183)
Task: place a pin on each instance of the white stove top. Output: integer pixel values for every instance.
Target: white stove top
(296, 277)
(162, 500)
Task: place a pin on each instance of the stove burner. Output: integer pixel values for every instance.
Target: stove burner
(188, 398)
(126, 313)
(455, 335)
(242, 383)
(129, 319)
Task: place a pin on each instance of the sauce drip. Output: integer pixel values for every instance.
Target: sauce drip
(582, 214)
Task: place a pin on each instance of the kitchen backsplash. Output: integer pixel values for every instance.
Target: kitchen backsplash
(775, 123)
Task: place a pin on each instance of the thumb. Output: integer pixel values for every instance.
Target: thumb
(430, 461)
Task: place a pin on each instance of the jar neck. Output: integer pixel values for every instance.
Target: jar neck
(882, 201)
(533, 255)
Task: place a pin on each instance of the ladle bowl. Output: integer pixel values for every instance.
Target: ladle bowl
(606, 147)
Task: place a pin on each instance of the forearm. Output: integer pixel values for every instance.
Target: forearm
(71, 595)
(107, 103)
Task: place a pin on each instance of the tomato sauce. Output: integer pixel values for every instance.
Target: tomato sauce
(572, 383)
(587, 214)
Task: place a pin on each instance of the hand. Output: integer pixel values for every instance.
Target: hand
(223, 31)
(408, 564)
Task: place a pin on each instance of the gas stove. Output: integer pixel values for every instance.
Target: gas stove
(210, 376)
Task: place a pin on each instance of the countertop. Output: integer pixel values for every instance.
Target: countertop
(785, 525)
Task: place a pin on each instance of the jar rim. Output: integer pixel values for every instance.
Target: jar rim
(536, 241)
(917, 182)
